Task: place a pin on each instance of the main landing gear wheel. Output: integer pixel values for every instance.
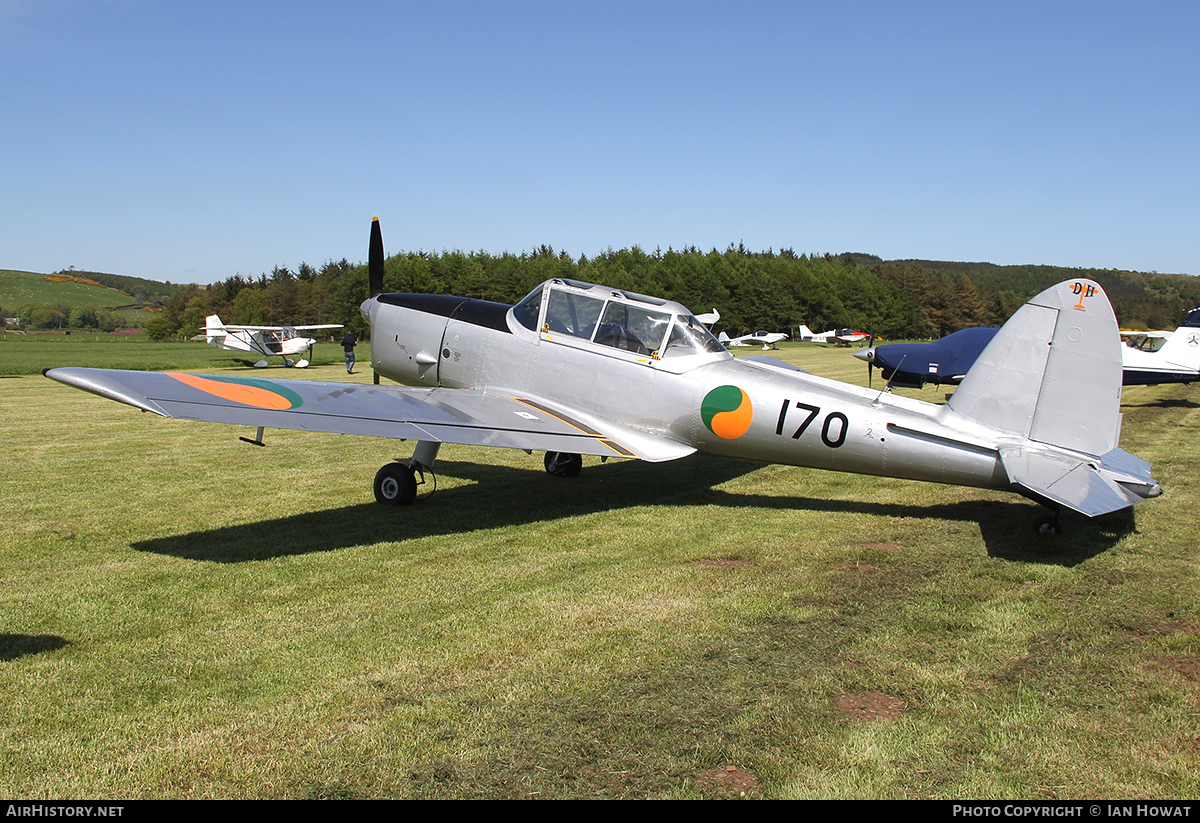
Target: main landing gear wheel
(562, 464)
(395, 485)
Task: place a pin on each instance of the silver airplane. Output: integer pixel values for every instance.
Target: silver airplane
(576, 368)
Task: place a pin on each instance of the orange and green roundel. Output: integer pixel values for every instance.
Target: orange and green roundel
(727, 412)
(246, 390)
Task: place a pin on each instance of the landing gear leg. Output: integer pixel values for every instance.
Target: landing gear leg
(424, 455)
(563, 464)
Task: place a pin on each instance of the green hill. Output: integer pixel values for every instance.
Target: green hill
(131, 298)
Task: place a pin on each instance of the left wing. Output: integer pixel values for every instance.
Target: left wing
(471, 417)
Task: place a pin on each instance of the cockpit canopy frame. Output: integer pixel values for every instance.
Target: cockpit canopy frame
(572, 311)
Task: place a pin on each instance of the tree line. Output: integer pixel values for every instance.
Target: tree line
(774, 290)
(62, 316)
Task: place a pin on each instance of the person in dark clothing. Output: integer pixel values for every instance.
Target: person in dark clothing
(348, 343)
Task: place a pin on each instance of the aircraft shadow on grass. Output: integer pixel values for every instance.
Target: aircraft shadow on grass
(13, 646)
(1165, 403)
(487, 502)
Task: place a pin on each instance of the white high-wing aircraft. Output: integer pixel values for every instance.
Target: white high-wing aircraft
(768, 339)
(846, 336)
(1155, 357)
(576, 368)
(269, 341)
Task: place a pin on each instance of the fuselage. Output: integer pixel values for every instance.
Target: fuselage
(608, 356)
(1172, 357)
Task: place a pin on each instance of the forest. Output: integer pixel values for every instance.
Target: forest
(775, 290)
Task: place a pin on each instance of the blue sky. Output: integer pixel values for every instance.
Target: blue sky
(189, 142)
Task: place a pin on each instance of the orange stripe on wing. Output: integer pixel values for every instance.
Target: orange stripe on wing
(237, 392)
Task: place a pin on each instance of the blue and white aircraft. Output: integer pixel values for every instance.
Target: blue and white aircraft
(1147, 358)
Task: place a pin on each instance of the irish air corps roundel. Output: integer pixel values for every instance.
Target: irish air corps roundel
(727, 412)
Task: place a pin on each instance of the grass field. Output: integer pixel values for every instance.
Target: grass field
(186, 615)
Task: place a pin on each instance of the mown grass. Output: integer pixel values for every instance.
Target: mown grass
(184, 615)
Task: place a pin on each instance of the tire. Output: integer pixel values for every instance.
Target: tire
(563, 464)
(1049, 526)
(395, 485)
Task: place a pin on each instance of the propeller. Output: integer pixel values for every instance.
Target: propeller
(375, 260)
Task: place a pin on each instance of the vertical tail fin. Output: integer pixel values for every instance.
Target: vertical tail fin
(1052, 373)
(214, 331)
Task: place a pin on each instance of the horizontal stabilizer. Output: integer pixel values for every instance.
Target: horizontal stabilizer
(1069, 481)
(1122, 461)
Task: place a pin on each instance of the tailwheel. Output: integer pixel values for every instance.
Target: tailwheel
(563, 464)
(1049, 525)
(395, 485)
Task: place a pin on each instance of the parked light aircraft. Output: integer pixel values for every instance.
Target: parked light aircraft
(768, 339)
(1151, 358)
(1148, 358)
(269, 341)
(576, 368)
(911, 365)
(842, 336)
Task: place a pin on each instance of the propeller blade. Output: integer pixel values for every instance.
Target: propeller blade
(375, 258)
